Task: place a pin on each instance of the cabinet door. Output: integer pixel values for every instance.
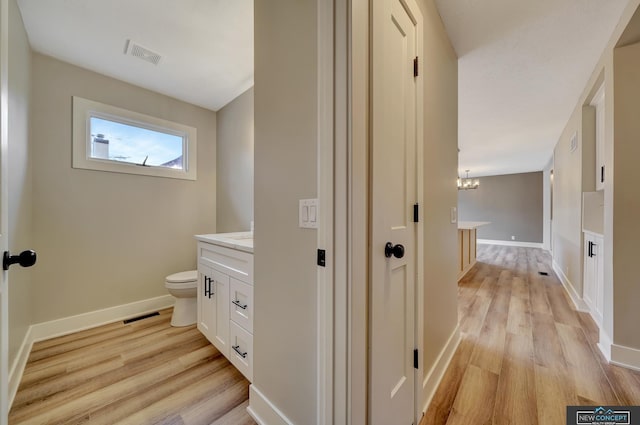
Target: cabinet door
(206, 311)
(213, 307)
(599, 277)
(588, 290)
(220, 306)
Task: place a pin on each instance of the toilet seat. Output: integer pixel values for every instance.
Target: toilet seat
(182, 280)
(183, 277)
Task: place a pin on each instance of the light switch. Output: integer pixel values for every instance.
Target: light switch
(312, 214)
(308, 213)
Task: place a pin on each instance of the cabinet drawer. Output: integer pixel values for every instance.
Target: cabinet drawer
(241, 304)
(237, 264)
(241, 353)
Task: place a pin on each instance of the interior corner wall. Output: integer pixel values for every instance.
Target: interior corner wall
(547, 191)
(512, 203)
(286, 116)
(567, 192)
(234, 164)
(626, 199)
(106, 239)
(440, 192)
(20, 179)
(567, 203)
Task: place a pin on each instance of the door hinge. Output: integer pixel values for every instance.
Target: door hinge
(415, 213)
(322, 258)
(415, 358)
(415, 67)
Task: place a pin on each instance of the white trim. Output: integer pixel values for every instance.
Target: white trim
(263, 411)
(625, 356)
(577, 300)
(67, 325)
(419, 390)
(4, 215)
(434, 377)
(84, 109)
(19, 363)
(605, 344)
(325, 146)
(510, 243)
(92, 319)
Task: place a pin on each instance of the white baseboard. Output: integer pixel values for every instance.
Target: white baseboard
(66, 325)
(604, 344)
(433, 378)
(510, 243)
(263, 411)
(577, 300)
(19, 363)
(625, 356)
(92, 319)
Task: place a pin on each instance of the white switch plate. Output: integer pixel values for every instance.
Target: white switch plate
(308, 213)
(454, 214)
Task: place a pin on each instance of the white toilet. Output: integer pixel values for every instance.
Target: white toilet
(183, 286)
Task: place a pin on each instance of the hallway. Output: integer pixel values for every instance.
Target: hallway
(525, 352)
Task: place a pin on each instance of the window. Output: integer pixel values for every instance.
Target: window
(108, 138)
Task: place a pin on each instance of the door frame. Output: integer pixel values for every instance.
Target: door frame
(348, 187)
(4, 212)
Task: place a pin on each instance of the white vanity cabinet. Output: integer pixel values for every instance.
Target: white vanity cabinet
(593, 280)
(225, 296)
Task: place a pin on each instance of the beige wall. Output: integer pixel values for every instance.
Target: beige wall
(626, 197)
(20, 179)
(105, 239)
(440, 192)
(285, 171)
(235, 164)
(512, 203)
(569, 178)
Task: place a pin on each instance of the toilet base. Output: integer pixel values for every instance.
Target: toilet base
(185, 312)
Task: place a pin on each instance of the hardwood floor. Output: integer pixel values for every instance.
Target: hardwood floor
(525, 352)
(145, 372)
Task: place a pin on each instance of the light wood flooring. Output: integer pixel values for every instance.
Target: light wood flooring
(145, 372)
(525, 352)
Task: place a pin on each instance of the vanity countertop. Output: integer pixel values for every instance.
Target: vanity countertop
(242, 241)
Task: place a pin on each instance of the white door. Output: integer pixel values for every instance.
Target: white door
(4, 225)
(393, 195)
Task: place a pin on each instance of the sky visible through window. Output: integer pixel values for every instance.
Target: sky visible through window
(127, 143)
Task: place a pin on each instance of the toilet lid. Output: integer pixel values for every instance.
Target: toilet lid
(190, 276)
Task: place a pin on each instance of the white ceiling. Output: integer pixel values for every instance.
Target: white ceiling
(522, 66)
(206, 45)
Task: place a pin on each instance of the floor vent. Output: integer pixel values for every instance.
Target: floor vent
(543, 273)
(144, 316)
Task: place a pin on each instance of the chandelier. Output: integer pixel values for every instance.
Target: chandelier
(467, 183)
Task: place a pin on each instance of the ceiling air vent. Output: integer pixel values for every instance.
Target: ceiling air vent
(134, 49)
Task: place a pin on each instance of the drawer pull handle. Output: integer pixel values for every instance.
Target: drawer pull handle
(237, 303)
(236, 348)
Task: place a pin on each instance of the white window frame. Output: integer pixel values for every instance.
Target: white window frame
(84, 110)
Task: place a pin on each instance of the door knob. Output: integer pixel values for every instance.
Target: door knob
(25, 259)
(395, 250)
